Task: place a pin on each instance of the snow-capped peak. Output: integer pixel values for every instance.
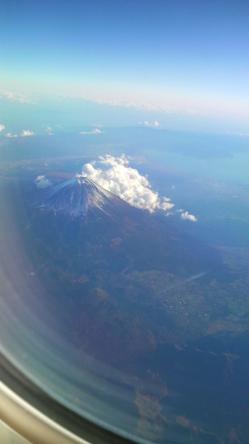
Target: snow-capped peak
(76, 197)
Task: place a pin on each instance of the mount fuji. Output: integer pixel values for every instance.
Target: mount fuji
(79, 197)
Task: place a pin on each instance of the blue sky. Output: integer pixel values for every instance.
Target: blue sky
(180, 62)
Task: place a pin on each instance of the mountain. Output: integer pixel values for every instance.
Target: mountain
(77, 214)
(79, 196)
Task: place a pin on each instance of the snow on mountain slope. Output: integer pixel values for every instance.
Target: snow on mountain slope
(77, 196)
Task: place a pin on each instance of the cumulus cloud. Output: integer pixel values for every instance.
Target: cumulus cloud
(117, 176)
(151, 123)
(185, 215)
(42, 182)
(26, 133)
(92, 132)
(2, 127)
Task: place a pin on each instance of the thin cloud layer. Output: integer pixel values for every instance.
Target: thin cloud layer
(11, 136)
(14, 97)
(117, 176)
(49, 131)
(2, 127)
(92, 132)
(151, 123)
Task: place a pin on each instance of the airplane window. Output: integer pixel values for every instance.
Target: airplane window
(124, 154)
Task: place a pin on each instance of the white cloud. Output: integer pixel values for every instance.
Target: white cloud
(2, 127)
(14, 97)
(11, 136)
(117, 176)
(93, 132)
(49, 131)
(23, 133)
(185, 215)
(151, 123)
(42, 182)
(26, 133)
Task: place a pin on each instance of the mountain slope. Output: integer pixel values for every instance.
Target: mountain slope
(79, 196)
